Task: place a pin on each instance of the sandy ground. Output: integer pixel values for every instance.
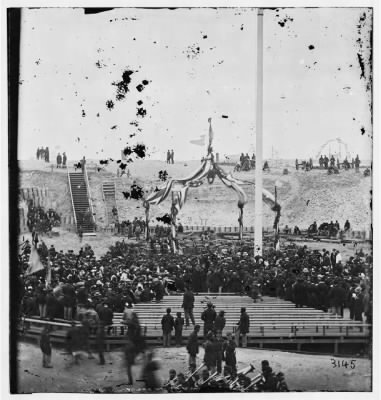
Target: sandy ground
(303, 372)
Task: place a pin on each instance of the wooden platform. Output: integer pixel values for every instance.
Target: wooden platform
(273, 322)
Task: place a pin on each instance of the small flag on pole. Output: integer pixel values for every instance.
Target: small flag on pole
(35, 263)
(199, 142)
(48, 278)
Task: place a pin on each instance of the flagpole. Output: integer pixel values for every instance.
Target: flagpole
(258, 240)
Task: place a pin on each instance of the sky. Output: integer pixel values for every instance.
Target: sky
(195, 63)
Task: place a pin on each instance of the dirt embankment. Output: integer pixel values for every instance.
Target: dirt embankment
(304, 196)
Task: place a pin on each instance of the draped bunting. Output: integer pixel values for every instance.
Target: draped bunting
(208, 169)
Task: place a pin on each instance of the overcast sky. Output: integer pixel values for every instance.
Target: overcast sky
(199, 63)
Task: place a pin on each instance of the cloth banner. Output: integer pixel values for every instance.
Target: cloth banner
(35, 263)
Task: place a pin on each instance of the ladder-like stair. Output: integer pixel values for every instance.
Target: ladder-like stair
(81, 203)
(108, 189)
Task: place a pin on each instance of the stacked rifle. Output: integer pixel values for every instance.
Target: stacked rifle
(216, 382)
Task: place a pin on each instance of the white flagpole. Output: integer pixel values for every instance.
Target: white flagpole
(258, 240)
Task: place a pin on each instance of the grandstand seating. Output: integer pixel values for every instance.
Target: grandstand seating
(272, 321)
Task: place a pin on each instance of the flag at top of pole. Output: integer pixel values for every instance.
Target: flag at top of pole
(258, 240)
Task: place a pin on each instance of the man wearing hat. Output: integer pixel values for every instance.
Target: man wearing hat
(192, 347)
(106, 316)
(188, 304)
(46, 347)
(167, 324)
(210, 356)
(243, 327)
(208, 316)
(269, 384)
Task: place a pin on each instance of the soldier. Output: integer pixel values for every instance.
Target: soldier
(167, 323)
(326, 162)
(321, 161)
(357, 163)
(100, 340)
(59, 160)
(172, 381)
(229, 354)
(130, 354)
(210, 356)
(299, 292)
(64, 159)
(219, 350)
(219, 323)
(208, 316)
(269, 384)
(73, 341)
(46, 347)
(192, 347)
(149, 375)
(243, 327)
(188, 304)
(179, 323)
(281, 385)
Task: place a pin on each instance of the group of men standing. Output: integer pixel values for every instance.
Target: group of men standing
(61, 160)
(170, 157)
(325, 162)
(216, 348)
(43, 154)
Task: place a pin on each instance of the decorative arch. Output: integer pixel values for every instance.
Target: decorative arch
(209, 170)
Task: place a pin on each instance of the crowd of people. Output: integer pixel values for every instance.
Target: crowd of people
(131, 273)
(331, 229)
(326, 163)
(306, 165)
(135, 228)
(42, 153)
(88, 290)
(332, 164)
(245, 162)
(41, 221)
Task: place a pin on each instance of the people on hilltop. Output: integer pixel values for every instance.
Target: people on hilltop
(83, 164)
(266, 166)
(42, 154)
(59, 160)
(357, 163)
(40, 220)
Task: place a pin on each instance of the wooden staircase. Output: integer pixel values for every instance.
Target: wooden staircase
(108, 190)
(81, 202)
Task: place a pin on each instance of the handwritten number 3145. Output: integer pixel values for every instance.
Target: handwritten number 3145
(343, 363)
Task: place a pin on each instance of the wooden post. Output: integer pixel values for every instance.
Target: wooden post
(173, 223)
(258, 240)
